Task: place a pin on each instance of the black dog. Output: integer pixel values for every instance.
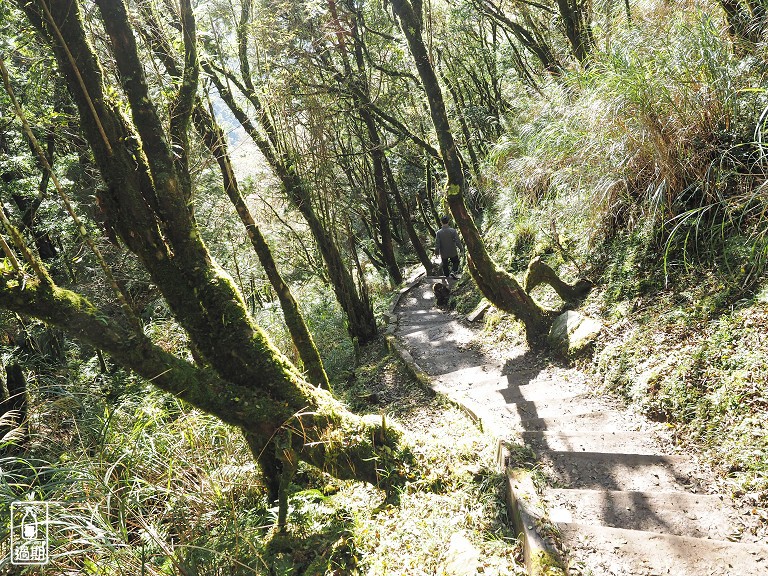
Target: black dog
(442, 293)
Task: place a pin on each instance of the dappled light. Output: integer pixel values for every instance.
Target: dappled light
(341, 287)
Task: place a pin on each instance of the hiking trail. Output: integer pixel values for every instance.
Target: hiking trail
(618, 495)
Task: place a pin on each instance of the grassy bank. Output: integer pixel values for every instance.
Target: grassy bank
(143, 485)
(644, 173)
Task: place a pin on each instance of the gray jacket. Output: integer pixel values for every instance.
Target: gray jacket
(447, 242)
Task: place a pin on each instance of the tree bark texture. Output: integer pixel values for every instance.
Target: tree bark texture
(14, 402)
(746, 19)
(541, 273)
(247, 382)
(407, 218)
(361, 321)
(294, 319)
(575, 16)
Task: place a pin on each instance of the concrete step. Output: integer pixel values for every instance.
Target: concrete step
(678, 513)
(576, 423)
(468, 377)
(610, 443)
(524, 386)
(475, 376)
(618, 471)
(413, 331)
(639, 553)
(410, 323)
(550, 407)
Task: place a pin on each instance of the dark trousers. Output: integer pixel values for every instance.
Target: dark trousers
(454, 260)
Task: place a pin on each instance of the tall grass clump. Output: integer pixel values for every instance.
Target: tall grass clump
(660, 138)
(143, 486)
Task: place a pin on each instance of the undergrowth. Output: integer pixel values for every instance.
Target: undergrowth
(142, 484)
(646, 173)
(697, 358)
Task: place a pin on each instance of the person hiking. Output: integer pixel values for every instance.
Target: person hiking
(448, 247)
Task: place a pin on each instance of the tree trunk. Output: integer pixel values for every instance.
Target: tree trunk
(577, 27)
(429, 193)
(266, 401)
(357, 84)
(248, 383)
(294, 319)
(500, 288)
(382, 200)
(464, 129)
(361, 321)
(531, 39)
(540, 273)
(746, 19)
(407, 219)
(14, 401)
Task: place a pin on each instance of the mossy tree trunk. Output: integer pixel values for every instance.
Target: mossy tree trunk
(365, 103)
(540, 273)
(361, 321)
(746, 19)
(213, 137)
(262, 405)
(405, 214)
(499, 287)
(382, 197)
(244, 380)
(576, 17)
(356, 85)
(14, 402)
(294, 319)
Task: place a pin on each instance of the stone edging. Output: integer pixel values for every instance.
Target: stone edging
(527, 514)
(523, 504)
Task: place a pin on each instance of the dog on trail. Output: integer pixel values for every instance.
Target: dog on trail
(442, 293)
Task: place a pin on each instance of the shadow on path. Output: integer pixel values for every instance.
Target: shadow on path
(605, 465)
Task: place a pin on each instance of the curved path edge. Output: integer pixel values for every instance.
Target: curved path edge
(524, 507)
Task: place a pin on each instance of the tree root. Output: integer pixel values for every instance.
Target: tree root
(540, 273)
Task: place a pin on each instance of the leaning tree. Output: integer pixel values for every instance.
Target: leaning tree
(497, 285)
(141, 150)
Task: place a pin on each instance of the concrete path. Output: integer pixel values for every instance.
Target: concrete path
(622, 499)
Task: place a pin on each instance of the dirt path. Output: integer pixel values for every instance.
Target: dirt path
(624, 502)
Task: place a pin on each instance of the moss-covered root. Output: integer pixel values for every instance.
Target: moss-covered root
(367, 448)
(540, 273)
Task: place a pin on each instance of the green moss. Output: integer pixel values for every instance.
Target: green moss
(465, 295)
(696, 360)
(544, 563)
(73, 301)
